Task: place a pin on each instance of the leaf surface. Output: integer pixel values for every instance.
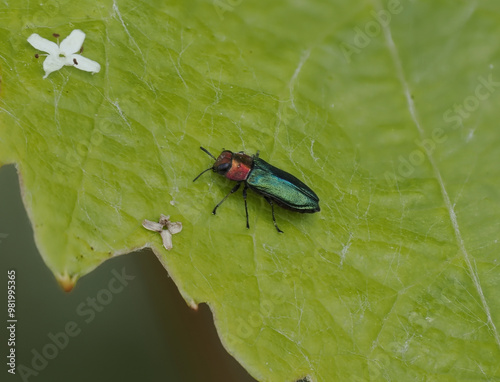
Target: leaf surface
(388, 111)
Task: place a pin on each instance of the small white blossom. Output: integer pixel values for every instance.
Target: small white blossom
(63, 54)
(166, 234)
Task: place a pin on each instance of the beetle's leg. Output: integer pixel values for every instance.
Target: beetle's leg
(235, 188)
(245, 198)
(272, 210)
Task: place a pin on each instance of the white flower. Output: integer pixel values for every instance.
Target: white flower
(166, 234)
(64, 54)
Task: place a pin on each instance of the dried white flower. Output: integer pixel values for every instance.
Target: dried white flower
(166, 234)
(63, 54)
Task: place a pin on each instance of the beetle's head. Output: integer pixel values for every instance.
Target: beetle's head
(223, 163)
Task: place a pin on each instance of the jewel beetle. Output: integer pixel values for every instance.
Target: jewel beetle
(275, 185)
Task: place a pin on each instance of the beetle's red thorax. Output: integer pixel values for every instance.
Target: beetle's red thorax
(240, 167)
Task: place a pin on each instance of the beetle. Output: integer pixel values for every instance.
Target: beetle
(275, 185)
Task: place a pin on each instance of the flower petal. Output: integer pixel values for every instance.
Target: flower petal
(52, 63)
(43, 44)
(174, 227)
(73, 42)
(167, 239)
(152, 226)
(83, 63)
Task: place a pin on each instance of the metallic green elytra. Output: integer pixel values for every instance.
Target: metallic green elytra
(275, 185)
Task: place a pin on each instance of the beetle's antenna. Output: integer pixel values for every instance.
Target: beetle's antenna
(204, 171)
(204, 149)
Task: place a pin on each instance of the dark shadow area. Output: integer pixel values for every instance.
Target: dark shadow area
(135, 328)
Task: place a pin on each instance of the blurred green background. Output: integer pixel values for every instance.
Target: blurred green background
(147, 332)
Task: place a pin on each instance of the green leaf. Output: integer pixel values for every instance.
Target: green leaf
(386, 109)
